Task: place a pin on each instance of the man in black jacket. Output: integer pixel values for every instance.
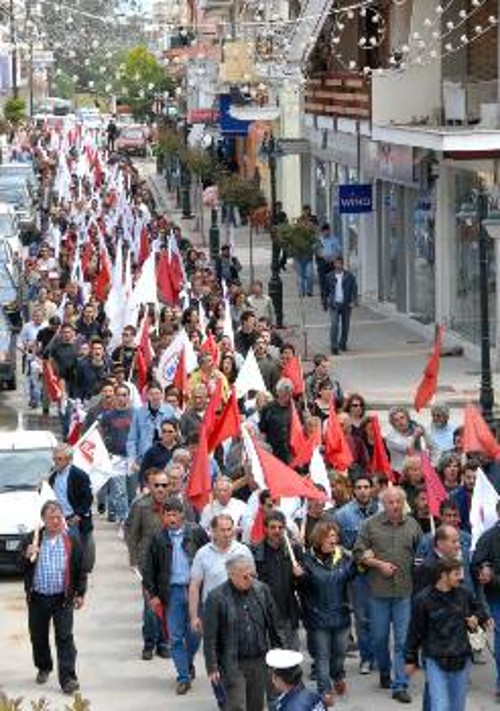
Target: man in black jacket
(485, 566)
(240, 626)
(280, 573)
(342, 295)
(441, 617)
(166, 575)
(55, 582)
(276, 420)
(74, 493)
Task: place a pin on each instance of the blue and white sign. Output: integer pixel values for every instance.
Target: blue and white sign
(355, 199)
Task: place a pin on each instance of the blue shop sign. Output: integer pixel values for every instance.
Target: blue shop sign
(355, 199)
(230, 126)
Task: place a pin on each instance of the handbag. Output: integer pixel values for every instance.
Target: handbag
(477, 639)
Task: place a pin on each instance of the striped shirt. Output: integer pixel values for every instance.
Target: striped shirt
(50, 571)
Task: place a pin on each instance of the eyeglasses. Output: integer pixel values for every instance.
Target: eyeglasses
(160, 486)
(356, 404)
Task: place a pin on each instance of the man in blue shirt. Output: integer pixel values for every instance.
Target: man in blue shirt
(55, 582)
(328, 249)
(166, 574)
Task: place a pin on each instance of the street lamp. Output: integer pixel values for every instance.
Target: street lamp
(271, 150)
(485, 222)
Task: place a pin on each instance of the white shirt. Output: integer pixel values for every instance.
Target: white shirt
(209, 564)
(234, 508)
(339, 291)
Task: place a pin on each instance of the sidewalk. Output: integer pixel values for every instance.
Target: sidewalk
(385, 358)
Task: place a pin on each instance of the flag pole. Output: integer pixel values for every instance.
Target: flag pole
(289, 547)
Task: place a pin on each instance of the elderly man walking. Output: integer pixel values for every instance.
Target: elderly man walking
(386, 546)
(240, 626)
(55, 582)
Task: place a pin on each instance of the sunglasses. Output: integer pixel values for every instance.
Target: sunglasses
(160, 486)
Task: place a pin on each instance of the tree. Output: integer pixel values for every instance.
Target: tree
(15, 111)
(64, 86)
(141, 77)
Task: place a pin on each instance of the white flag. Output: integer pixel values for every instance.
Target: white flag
(228, 322)
(170, 357)
(253, 458)
(318, 472)
(249, 377)
(145, 287)
(91, 455)
(483, 509)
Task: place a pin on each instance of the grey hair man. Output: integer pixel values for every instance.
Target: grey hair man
(240, 628)
(73, 491)
(276, 419)
(386, 547)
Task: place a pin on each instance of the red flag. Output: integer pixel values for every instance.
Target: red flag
(144, 246)
(436, 493)
(292, 370)
(428, 385)
(176, 273)
(337, 450)
(210, 346)
(142, 370)
(51, 382)
(257, 532)
(75, 425)
(163, 280)
(282, 480)
(227, 424)
(380, 461)
(304, 453)
(214, 405)
(103, 281)
(159, 610)
(199, 484)
(477, 435)
(297, 436)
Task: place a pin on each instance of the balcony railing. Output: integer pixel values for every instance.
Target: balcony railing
(338, 94)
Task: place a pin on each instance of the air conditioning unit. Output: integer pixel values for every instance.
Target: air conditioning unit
(489, 116)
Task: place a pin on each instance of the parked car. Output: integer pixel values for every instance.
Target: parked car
(22, 172)
(9, 229)
(18, 196)
(132, 141)
(25, 463)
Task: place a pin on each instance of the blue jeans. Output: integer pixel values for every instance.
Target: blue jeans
(340, 320)
(495, 613)
(384, 612)
(447, 690)
(361, 597)
(330, 646)
(152, 633)
(184, 642)
(117, 497)
(304, 269)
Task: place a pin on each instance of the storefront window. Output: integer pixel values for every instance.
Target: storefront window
(392, 265)
(422, 255)
(321, 204)
(466, 316)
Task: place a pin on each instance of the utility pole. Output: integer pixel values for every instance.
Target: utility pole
(13, 50)
(486, 396)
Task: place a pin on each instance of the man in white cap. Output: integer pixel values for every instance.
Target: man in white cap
(287, 678)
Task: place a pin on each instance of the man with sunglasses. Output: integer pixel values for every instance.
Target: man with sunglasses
(145, 519)
(166, 572)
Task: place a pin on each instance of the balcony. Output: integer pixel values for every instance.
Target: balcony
(338, 94)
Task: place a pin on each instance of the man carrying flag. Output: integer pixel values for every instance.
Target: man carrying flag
(166, 574)
(73, 491)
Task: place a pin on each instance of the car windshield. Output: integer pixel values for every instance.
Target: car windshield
(132, 133)
(13, 194)
(24, 468)
(15, 169)
(6, 227)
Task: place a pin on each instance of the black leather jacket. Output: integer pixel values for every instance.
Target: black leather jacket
(158, 559)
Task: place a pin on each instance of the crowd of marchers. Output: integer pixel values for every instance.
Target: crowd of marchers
(261, 505)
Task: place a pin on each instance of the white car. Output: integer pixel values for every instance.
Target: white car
(25, 463)
(9, 229)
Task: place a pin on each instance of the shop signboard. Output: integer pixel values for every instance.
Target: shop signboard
(355, 199)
